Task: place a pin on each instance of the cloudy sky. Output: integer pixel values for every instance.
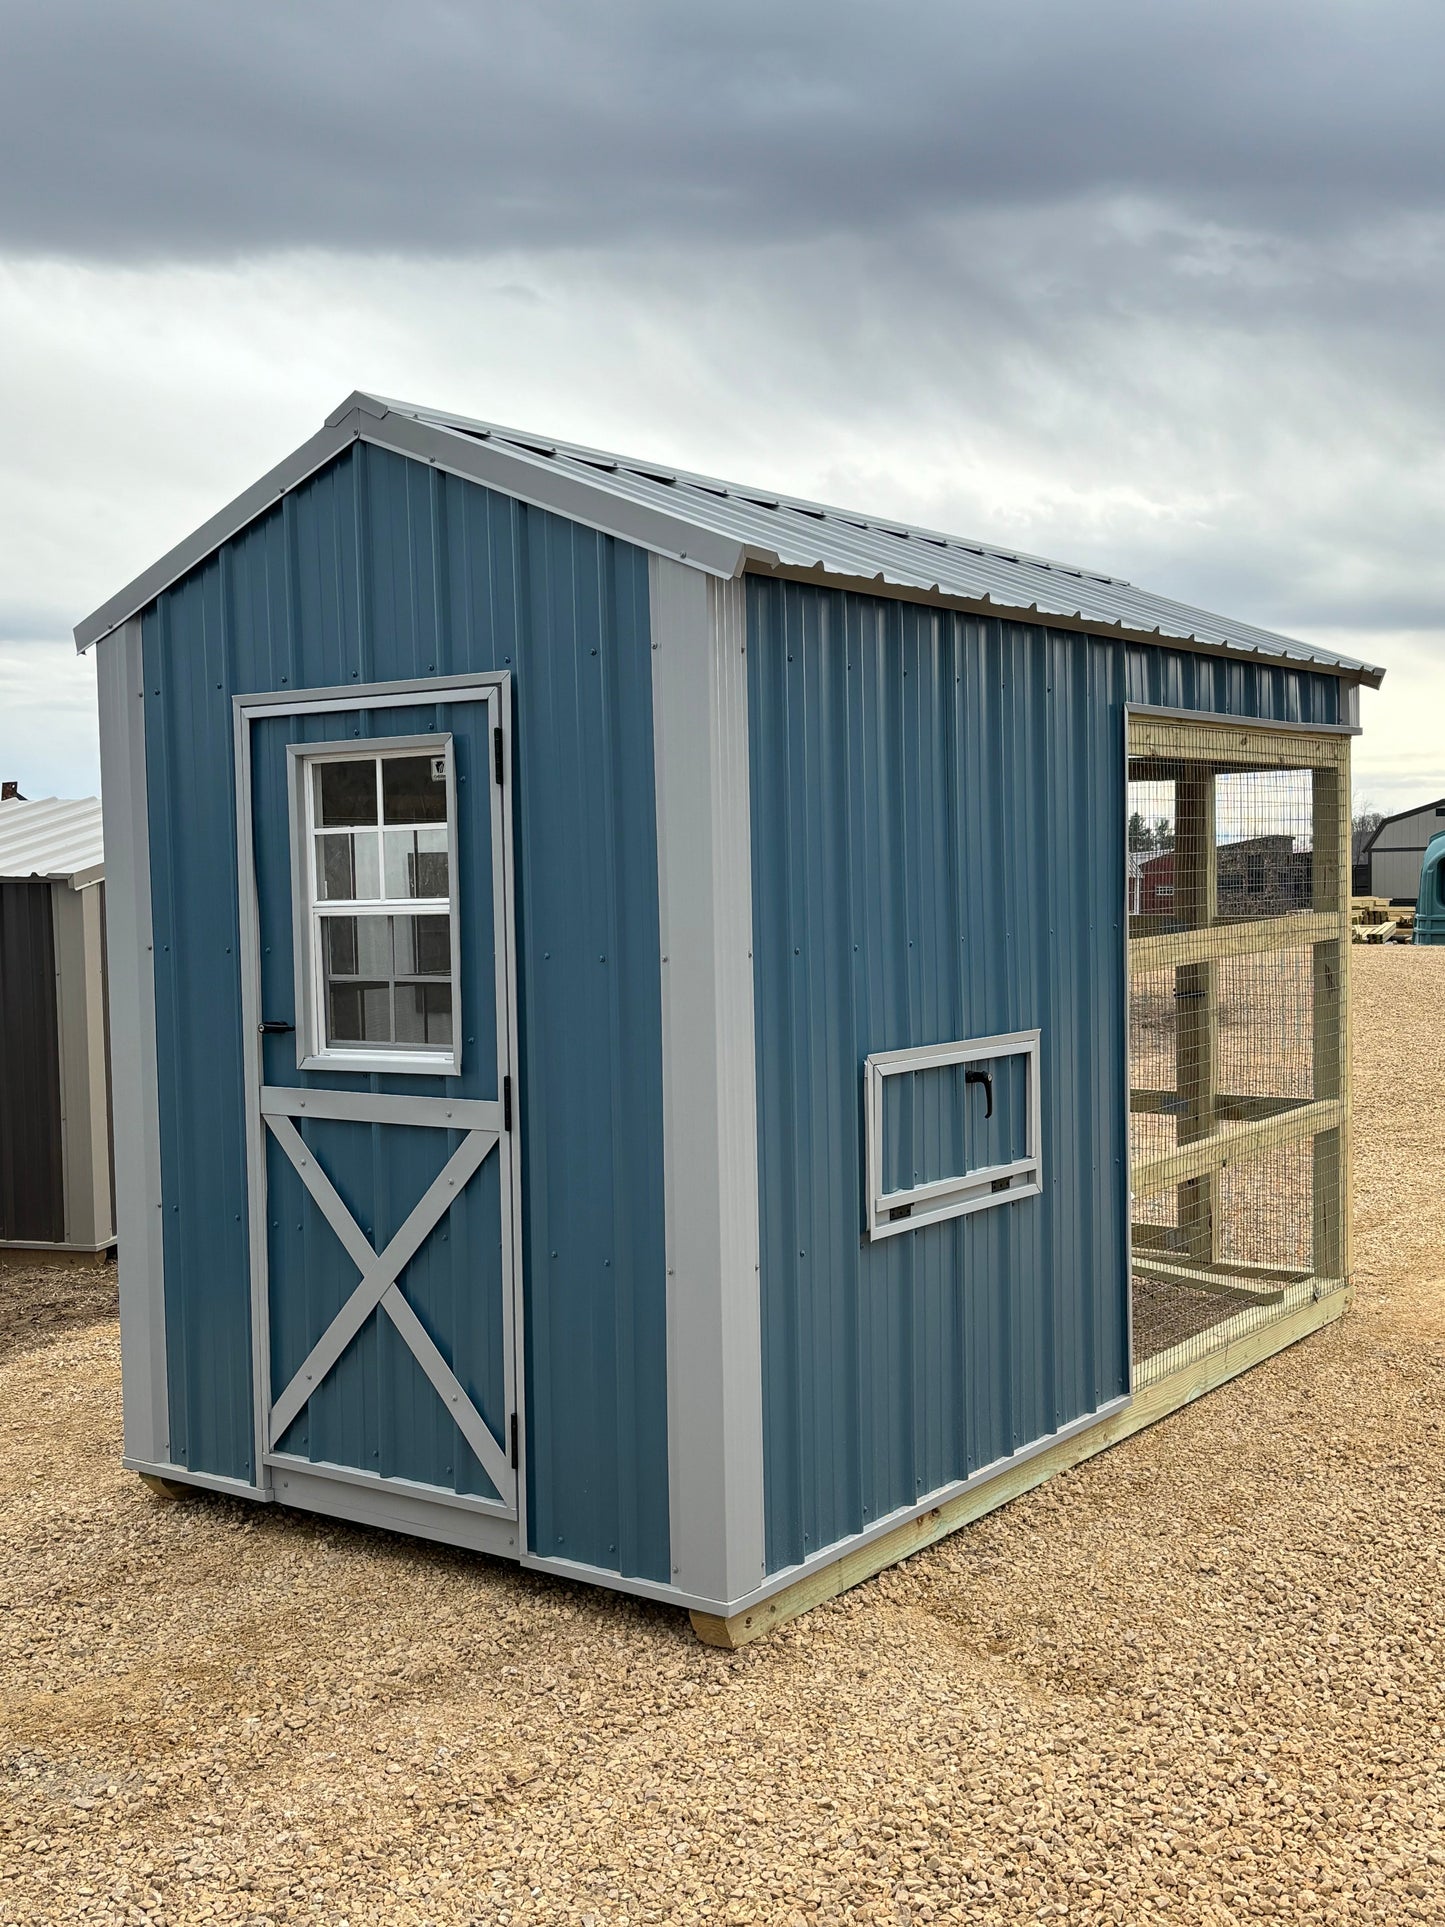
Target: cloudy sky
(1152, 287)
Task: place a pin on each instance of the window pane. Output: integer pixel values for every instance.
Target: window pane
(430, 939)
(358, 1013)
(346, 866)
(431, 878)
(383, 839)
(439, 1013)
(373, 946)
(433, 946)
(413, 789)
(424, 1014)
(423, 946)
(346, 792)
(339, 936)
(416, 863)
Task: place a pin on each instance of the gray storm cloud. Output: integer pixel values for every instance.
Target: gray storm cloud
(154, 131)
(1154, 285)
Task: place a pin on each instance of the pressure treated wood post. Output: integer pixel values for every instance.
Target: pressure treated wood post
(1196, 1030)
(1330, 1019)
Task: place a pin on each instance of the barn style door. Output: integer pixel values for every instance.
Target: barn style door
(379, 1011)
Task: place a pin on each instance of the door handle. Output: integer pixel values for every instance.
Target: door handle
(273, 1029)
(986, 1079)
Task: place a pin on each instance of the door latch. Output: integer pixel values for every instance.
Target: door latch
(986, 1079)
(272, 1028)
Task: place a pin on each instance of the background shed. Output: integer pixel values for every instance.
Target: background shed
(1396, 850)
(56, 1180)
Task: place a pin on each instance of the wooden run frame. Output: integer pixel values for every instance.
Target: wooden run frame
(1216, 1128)
(1245, 1343)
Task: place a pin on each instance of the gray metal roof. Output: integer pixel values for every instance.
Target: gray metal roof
(52, 838)
(1436, 807)
(727, 527)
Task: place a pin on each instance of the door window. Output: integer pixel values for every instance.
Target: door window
(379, 930)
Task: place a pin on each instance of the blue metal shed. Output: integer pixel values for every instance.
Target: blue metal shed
(620, 1002)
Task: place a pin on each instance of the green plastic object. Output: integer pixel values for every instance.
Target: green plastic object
(1430, 904)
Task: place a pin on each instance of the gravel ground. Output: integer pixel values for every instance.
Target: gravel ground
(1196, 1680)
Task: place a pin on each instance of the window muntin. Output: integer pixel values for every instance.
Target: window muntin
(381, 935)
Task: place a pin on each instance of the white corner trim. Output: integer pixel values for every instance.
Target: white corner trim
(134, 1094)
(714, 1340)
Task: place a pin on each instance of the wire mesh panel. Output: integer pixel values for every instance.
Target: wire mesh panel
(1238, 948)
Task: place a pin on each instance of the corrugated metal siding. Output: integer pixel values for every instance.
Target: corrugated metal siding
(50, 837)
(380, 569)
(1395, 873)
(936, 1126)
(1264, 692)
(32, 1179)
(937, 855)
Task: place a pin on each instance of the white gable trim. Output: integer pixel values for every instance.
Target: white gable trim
(510, 471)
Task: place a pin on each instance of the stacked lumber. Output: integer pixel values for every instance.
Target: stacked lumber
(1377, 920)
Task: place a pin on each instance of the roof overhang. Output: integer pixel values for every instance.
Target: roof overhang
(758, 562)
(531, 476)
(510, 470)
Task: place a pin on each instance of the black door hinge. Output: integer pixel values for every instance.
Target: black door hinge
(514, 1441)
(506, 1103)
(497, 754)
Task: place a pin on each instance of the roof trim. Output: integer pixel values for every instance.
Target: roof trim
(527, 468)
(509, 470)
(757, 562)
(235, 516)
(1399, 817)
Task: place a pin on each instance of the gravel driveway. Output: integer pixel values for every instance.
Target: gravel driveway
(1196, 1680)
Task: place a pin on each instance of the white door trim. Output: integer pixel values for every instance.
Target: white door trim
(270, 1109)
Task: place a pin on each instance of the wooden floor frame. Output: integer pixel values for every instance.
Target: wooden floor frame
(1169, 1393)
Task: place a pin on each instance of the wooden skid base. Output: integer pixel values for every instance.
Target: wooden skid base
(1154, 1402)
(22, 1257)
(167, 1488)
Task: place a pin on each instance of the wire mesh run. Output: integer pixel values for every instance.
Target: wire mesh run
(1238, 945)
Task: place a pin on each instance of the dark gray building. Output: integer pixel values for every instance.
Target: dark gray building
(1396, 849)
(55, 1159)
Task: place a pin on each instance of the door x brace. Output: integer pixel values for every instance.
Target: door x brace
(378, 1287)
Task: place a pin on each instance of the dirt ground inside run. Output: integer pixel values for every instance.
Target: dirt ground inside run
(1198, 1679)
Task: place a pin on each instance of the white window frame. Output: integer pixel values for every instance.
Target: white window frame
(976, 1190)
(309, 911)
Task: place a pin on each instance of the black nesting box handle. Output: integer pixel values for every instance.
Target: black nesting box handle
(986, 1079)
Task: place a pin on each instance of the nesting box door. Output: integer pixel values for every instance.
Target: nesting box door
(380, 1011)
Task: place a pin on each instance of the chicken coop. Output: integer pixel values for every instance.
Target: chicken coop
(690, 1039)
